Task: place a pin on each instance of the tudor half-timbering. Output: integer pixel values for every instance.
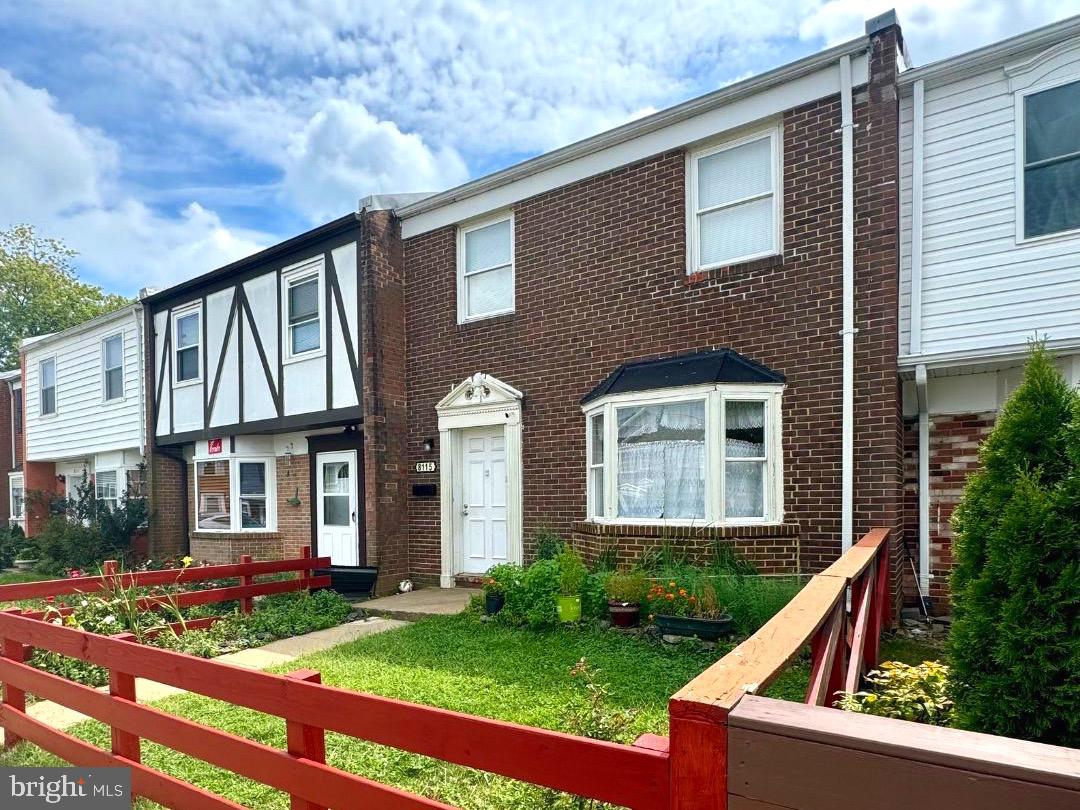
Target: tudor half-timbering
(257, 392)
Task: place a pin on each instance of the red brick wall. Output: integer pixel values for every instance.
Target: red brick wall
(954, 455)
(6, 465)
(39, 478)
(169, 517)
(601, 280)
(382, 271)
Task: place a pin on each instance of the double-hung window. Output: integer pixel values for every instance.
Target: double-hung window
(734, 201)
(699, 455)
(486, 268)
(17, 498)
(1051, 160)
(188, 342)
(106, 488)
(302, 304)
(112, 364)
(234, 495)
(47, 383)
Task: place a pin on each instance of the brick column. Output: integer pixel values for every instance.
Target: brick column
(878, 413)
(39, 480)
(381, 268)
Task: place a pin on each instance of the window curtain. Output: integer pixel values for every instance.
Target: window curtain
(662, 461)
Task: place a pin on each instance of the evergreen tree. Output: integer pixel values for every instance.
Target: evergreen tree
(1015, 641)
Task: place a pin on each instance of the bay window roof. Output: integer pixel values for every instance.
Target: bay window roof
(698, 368)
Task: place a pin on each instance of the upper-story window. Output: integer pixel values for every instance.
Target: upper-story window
(112, 364)
(47, 384)
(1051, 164)
(188, 342)
(734, 201)
(703, 454)
(486, 268)
(302, 300)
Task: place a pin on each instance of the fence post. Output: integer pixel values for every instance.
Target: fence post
(302, 740)
(697, 756)
(122, 686)
(306, 573)
(246, 602)
(15, 698)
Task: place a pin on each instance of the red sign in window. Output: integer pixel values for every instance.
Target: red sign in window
(213, 446)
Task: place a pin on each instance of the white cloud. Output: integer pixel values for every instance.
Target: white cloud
(62, 177)
(343, 149)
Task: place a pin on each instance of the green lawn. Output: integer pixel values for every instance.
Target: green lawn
(14, 577)
(462, 664)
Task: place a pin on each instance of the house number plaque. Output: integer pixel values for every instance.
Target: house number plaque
(425, 466)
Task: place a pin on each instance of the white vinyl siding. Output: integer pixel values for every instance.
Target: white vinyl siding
(985, 287)
(486, 268)
(734, 202)
(85, 423)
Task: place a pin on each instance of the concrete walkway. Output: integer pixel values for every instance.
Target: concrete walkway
(418, 604)
(271, 655)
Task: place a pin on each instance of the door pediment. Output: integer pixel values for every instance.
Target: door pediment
(478, 394)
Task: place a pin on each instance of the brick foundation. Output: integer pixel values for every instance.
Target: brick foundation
(771, 549)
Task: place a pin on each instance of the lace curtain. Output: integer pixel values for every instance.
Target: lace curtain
(662, 461)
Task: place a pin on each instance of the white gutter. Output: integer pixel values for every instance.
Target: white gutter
(847, 460)
(924, 477)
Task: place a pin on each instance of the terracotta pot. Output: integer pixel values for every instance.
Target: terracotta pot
(624, 614)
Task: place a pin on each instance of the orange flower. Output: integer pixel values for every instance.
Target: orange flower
(671, 584)
(671, 597)
(682, 591)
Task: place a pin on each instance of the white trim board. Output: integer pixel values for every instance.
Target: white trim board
(637, 141)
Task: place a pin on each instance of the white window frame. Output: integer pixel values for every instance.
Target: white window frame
(693, 238)
(475, 225)
(1020, 97)
(714, 395)
(235, 517)
(291, 275)
(176, 348)
(16, 479)
(116, 471)
(105, 368)
(41, 388)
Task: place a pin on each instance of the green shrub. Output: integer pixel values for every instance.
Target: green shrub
(919, 693)
(533, 602)
(594, 595)
(63, 545)
(548, 544)
(1015, 639)
(572, 572)
(12, 540)
(502, 578)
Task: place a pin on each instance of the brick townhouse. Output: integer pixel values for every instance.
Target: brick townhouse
(651, 335)
(12, 493)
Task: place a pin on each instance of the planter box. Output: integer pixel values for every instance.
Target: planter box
(705, 629)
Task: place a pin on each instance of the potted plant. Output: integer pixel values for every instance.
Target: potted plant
(499, 579)
(624, 593)
(26, 558)
(572, 575)
(679, 611)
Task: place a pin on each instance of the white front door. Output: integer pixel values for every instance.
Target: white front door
(482, 529)
(335, 483)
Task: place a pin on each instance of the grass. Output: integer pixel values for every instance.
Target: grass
(457, 663)
(15, 577)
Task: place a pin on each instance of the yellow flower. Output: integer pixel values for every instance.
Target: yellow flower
(186, 561)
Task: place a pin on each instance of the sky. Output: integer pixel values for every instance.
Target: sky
(162, 140)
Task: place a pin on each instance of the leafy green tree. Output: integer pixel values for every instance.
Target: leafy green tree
(1015, 640)
(39, 291)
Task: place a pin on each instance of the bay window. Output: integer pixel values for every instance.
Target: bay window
(234, 495)
(692, 455)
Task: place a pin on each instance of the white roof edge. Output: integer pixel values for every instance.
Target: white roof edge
(41, 340)
(634, 129)
(996, 52)
(11, 374)
(387, 202)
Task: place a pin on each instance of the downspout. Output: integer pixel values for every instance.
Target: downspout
(847, 459)
(924, 478)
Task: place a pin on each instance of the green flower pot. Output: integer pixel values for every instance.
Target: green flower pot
(569, 608)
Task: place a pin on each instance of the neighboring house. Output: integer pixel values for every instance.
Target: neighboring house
(12, 493)
(83, 410)
(682, 328)
(256, 378)
(990, 256)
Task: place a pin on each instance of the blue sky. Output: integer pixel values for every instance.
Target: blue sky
(163, 140)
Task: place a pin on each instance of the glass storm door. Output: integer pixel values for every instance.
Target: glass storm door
(335, 478)
(483, 512)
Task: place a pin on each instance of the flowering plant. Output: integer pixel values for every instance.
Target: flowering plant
(669, 598)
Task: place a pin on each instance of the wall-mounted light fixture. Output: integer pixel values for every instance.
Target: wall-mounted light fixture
(429, 445)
